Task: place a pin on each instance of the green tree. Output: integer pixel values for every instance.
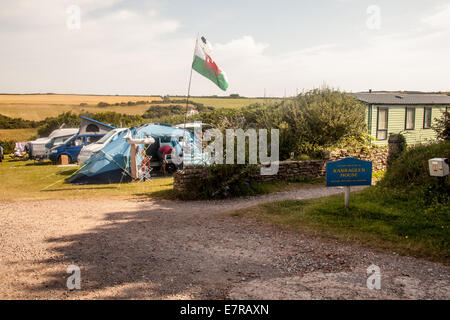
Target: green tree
(318, 119)
(442, 127)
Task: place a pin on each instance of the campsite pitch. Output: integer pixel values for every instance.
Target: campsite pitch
(30, 180)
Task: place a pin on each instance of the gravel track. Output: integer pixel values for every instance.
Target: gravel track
(191, 250)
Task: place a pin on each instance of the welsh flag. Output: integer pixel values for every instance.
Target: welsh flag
(205, 65)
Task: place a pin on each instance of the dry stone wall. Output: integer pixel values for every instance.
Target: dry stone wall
(289, 170)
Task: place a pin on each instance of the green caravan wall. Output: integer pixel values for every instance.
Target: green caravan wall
(396, 123)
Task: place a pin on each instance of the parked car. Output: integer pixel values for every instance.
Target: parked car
(39, 148)
(73, 146)
(89, 150)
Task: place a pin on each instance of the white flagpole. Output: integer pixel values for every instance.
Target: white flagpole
(189, 86)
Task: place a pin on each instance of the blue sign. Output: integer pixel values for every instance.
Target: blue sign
(349, 172)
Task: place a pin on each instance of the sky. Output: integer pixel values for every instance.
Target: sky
(265, 47)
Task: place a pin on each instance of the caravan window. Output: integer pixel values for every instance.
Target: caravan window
(410, 115)
(382, 123)
(427, 118)
(59, 140)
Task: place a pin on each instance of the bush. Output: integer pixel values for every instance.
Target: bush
(8, 146)
(397, 145)
(17, 123)
(69, 119)
(224, 181)
(158, 111)
(72, 120)
(411, 167)
(103, 104)
(315, 120)
(442, 127)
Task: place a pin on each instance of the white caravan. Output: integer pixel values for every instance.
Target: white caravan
(92, 148)
(39, 148)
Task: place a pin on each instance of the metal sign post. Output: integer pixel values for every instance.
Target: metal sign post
(347, 196)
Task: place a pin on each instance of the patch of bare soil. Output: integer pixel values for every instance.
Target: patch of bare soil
(190, 250)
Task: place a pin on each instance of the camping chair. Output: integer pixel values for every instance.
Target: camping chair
(20, 150)
(145, 168)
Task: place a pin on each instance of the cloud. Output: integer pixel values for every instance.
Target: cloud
(115, 50)
(440, 19)
(414, 60)
(124, 50)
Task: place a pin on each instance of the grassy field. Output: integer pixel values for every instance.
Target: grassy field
(68, 99)
(17, 134)
(27, 180)
(41, 111)
(38, 107)
(231, 102)
(383, 219)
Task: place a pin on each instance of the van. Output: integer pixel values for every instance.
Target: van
(73, 146)
(40, 148)
(87, 151)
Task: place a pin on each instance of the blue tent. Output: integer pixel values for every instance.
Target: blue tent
(112, 163)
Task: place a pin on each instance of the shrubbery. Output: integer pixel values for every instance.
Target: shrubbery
(442, 127)
(17, 123)
(411, 167)
(224, 181)
(409, 174)
(72, 120)
(69, 119)
(316, 120)
(8, 146)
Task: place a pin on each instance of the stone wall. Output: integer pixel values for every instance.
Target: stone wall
(378, 156)
(289, 170)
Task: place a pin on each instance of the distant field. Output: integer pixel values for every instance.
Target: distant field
(42, 111)
(68, 99)
(41, 106)
(17, 134)
(231, 102)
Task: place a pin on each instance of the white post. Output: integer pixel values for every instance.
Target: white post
(347, 196)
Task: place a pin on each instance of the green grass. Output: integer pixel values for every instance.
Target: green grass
(279, 186)
(386, 219)
(27, 180)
